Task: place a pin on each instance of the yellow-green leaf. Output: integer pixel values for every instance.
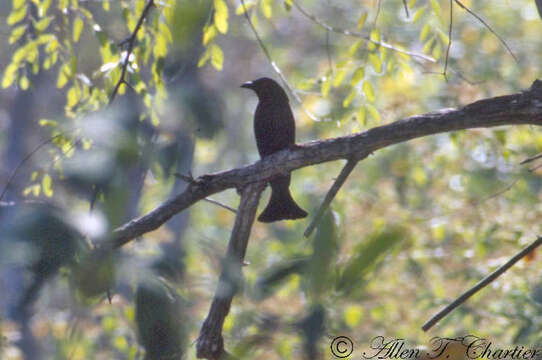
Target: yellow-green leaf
(160, 46)
(339, 77)
(418, 14)
(17, 4)
(326, 86)
(221, 16)
(43, 23)
(105, 5)
(63, 76)
(374, 59)
(47, 185)
(209, 33)
(9, 75)
(362, 20)
(425, 32)
(374, 112)
(358, 75)
(368, 90)
(362, 116)
(24, 83)
(348, 100)
(77, 29)
(267, 9)
(436, 7)
(16, 33)
(354, 48)
(217, 57)
(16, 15)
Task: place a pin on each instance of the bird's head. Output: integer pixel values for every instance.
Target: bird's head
(266, 89)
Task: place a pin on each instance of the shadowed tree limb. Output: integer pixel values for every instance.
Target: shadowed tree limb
(210, 344)
(516, 109)
(345, 172)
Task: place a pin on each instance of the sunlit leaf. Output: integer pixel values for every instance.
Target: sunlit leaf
(368, 90)
(358, 75)
(326, 86)
(221, 16)
(77, 29)
(375, 62)
(217, 57)
(47, 185)
(338, 78)
(362, 20)
(43, 23)
(349, 98)
(16, 33)
(16, 15)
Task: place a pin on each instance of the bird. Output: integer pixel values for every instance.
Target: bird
(274, 130)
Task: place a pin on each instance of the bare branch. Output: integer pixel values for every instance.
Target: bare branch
(531, 159)
(449, 39)
(515, 109)
(275, 66)
(345, 172)
(359, 35)
(481, 284)
(210, 344)
(488, 27)
(130, 41)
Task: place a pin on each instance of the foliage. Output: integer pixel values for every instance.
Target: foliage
(414, 226)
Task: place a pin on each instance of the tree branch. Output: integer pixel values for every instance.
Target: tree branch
(516, 109)
(210, 344)
(130, 41)
(481, 284)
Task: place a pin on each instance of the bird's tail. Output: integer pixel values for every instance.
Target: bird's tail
(281, 205)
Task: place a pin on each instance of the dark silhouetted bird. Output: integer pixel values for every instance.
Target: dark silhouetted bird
(274, 128)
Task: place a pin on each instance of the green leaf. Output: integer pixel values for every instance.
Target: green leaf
(47, 185)
(325, 246)
(362, 20)
(16, 15)
(418, 14)
(24, 83)
(43, 23)
(349, 98)
(362, 115)
(63, 76)
(209, 33)
(9, 75)
(367, 255)
(358, 75)
(288, 4)
(267, 9)
(436, 7)
(374, 59)
(160, 46)
(204, 57)
(105, 5)
(221, 16)
(326, 86)
(16, 33)
(217, 57)
(368, 90)
(339, 77)
(374, 112)
(425, 32)
(17, 4)
(77, 29)
(354, 48)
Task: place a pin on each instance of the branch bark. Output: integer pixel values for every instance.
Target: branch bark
(516, 109)
(210, 344)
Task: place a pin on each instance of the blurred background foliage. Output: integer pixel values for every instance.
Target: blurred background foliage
(415, 225)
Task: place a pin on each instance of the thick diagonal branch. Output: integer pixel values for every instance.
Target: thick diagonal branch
(210, 344)
(516, 109)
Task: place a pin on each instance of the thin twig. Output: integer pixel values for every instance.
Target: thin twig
(25, 159)
(275, 66)
(218, 203)
(328, 53)
(481, 284)
(449, 40)
(360, 35)
(190, 180)
(489, 28)
(210, 343)
(406, 8)
(130, 41)
(345, 172)
(534, 168)
(531, 159)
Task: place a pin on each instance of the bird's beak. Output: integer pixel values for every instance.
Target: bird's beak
(248, 85)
